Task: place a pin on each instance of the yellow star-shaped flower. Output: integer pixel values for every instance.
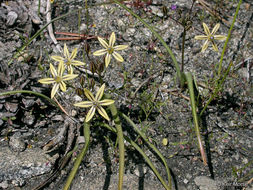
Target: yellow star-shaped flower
(210, 37)
(110, 50)
(57, 78)
(68, 59)
(95, 103)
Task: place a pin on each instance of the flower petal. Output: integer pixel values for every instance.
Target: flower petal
(200, 37)
(73, 54)
(120, 47)
(100, 93)
(69, 77)
(53, 71)
(63, 86)
(106, 102)
(57, 58)
(117, 56)
(215, 29)
(107, 59)
(77, 63)
(206, 29)
(100, 52)
(103, 113)
(103, 42)
(70, 69)
(89, 95)
(90, 114)
(215, 46)
(61, 69)
(46, 81)
(66, 51)
(205, 45)
(112, 39)
(54, 89)
(84, 104)
(220, 37)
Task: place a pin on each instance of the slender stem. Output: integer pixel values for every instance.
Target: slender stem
(195, 117)
(80, 156)
(228, 37)
(150, 145)
(120, 141)
(183, 43)
(149, 162)
(28, 92)
(179, 74)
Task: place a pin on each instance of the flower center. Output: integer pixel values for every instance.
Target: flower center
(96, 104)
(57, 79)
(211, 38)
(110, 50)
(67, 62)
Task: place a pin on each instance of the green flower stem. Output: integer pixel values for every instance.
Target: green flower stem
(29, 92)
(120, 141)
(144, 137)
(228, 37)
(80, 156)
(217, 88)
(179, 74)
(195, 117)
(151, 165)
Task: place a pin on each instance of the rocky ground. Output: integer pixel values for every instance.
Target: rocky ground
(35, 135)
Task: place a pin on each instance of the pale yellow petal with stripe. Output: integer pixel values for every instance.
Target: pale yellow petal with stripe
(206, 29)
(112, 39)
(220, 37)
(103, 42)
(54, 89)
(108, 58)
(84, 104)
(73, 54)
(215, 29)
(66, 51)
(117, 56)
(214, 46)
(90, 114)
(63, 86)
(106, 102)
(53, 71)
(89, 95)
(77, 63)
(100, 92)
(100, 52)
(201, 37)
(61, 69)
(69, 77)
(57, 58)
(205, 45)
(46, 81)
(120, 47)
(102, 112)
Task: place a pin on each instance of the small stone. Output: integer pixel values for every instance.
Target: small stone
(185, 181)
(28, 118)
(12, 107)
(205, 183)
(4, 185)
(17, 144)
(11, 18)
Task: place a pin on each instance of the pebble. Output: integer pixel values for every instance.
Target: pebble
(17, 144)
(11, 18)
(205, 183)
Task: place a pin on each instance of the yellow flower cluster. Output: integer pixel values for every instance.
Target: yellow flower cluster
(68, 62)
